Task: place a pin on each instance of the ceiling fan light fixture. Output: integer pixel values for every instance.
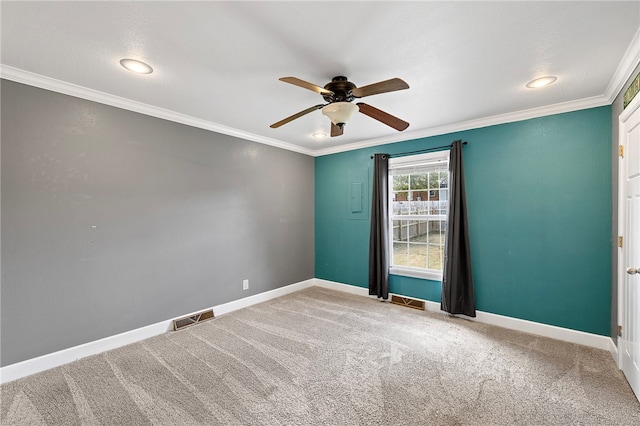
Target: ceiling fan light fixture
(136, 66)
(340, 112)
(541, 82)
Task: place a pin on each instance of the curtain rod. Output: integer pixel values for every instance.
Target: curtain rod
(420, 151)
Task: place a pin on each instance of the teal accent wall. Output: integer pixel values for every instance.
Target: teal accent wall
(539, 199)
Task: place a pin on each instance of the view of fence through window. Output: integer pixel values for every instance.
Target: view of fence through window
(419, 214)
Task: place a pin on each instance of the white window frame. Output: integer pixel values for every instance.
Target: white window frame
(411, 161)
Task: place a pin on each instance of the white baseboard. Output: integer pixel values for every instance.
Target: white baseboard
(225, 308)
(347, 288)
(65, 356)
(554, 332)
(539, 329)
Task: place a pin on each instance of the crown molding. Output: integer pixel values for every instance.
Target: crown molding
(593, 102)
(59, 86)
(629, 62)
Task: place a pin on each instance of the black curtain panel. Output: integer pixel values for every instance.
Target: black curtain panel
(457, 278)
(379, 237)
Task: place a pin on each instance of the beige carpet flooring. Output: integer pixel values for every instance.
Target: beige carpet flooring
(322, 357)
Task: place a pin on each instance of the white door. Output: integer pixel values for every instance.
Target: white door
(629, 270)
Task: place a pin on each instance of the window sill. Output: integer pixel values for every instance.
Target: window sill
(414, 273)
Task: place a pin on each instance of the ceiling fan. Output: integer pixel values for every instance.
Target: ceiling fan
(339, 93)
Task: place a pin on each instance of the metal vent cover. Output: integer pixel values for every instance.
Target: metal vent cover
(192, 319)
(408, 302)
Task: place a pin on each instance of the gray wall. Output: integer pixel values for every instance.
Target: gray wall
(181, 217)
(616, 110)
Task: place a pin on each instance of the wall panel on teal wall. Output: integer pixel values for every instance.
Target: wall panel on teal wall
(539, 197)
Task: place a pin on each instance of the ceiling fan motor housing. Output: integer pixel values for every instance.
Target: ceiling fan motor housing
(341, 88)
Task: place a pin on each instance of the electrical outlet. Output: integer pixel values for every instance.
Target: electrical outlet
(245, 284)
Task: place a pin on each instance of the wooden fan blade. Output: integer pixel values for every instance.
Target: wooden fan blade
(294, 116)
(305, 84)
(382, 87)
(336, 130)
(383, 117)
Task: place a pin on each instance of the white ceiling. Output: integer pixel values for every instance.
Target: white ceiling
(217, 64)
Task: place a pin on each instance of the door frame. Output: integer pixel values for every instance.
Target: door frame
(622, 119)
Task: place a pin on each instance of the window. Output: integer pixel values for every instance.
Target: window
(418, 206)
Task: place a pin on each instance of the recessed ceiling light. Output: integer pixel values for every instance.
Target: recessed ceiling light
(319, 135)
(541, 82)
(136, 66)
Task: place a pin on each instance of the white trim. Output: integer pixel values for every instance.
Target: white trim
(554, 332)
(425, 274)
(620, 231)
(332, 285)
(624, 69)
(25, 77)
(593, 102)
(407, 165)
(629, 62)
(65, 356)
(622, 119)
(261, 297)
(539, 329)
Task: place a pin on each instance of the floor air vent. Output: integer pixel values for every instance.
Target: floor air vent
(408, 302)
(192, 319)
